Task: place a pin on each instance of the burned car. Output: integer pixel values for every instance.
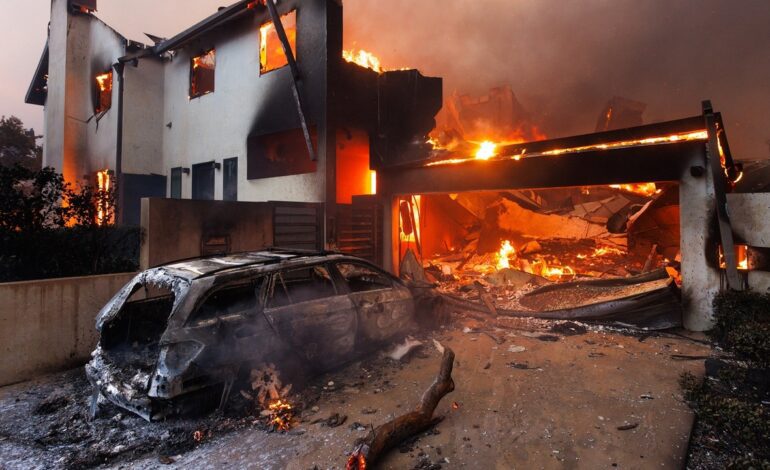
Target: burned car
(191, 327)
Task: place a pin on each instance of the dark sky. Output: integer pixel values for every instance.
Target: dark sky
(563, 58)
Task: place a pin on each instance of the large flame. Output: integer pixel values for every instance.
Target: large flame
(363, 58)
(503, 256)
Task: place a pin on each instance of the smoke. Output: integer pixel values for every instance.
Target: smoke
(565, 59)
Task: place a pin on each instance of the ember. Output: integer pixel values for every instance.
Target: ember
(356, 461)
(280, 414)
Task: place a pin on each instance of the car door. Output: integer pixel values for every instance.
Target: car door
(385, 306)
(309, 313)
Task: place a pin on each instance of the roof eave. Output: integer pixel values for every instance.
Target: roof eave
(36, 93)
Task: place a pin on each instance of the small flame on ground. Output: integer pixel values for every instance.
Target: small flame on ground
(356, 461)
(280, 414)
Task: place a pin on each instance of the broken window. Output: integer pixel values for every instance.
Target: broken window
(271, 54)
(301, 285)
(280, 154)
(362, 278)
(103, 92)
(240, 299)
(202, 74)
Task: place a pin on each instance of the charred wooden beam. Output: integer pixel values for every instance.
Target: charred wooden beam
(734, 279)
(642, 164)
(294, 74)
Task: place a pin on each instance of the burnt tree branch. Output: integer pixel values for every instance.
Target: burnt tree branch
(387, 436)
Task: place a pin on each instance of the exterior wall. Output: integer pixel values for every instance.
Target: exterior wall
(173, 229)
(216, 126)
(143, 115)
(53, 138)
(749, 215)
(50, 325)
(81, 47)
(89, 146)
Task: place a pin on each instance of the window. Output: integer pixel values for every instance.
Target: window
(230, 179)
(271, 54)
(362, 278)
(239, 299)
(103, 92)
(203, 181)
(202, 74)
(176, 183)
(301, 285)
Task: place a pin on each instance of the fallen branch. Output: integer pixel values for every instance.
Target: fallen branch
(387, 436)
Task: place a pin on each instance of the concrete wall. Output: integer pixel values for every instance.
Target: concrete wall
(49, 325)
(173, 228)
(750, 218)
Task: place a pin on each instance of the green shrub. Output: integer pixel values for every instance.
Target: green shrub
(65, 252)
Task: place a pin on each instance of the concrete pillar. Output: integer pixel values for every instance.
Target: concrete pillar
(700, 281)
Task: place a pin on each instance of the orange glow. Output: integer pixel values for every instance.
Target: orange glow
(486, 150)
(741, 255)
(105, 214)
(674, 138)
(643, 189)
(356, 461)
(416, 209)
(552, 273)
(372, 182)
(104, 92)
(280, 414)
(271, 53)
(504, 255)
(363, 58)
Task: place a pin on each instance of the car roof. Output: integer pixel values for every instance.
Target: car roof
(197, 268)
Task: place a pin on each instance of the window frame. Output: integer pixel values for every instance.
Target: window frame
(99, 106)
(276, 276)
(263, 66)
(193, 95)
(393, 281)
(259, 296)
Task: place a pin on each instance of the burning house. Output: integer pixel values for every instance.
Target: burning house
(249, 105)
(259, 102)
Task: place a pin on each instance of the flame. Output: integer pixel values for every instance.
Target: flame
(104, 213)
(552, 273)
(506, 251)
(741, 255)
(372, 182)
(356, 461)
(363, 58)
(271, 53)
(668, 139)
(643, 189)
(280, 414)
(486, 150)
(104, 81)
(606, 250)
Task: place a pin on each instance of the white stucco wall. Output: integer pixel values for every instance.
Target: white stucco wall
(216, 126)
(143, 123)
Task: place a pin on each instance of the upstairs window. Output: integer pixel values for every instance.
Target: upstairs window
(103, 92)
(202, 74)
(271, 55)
